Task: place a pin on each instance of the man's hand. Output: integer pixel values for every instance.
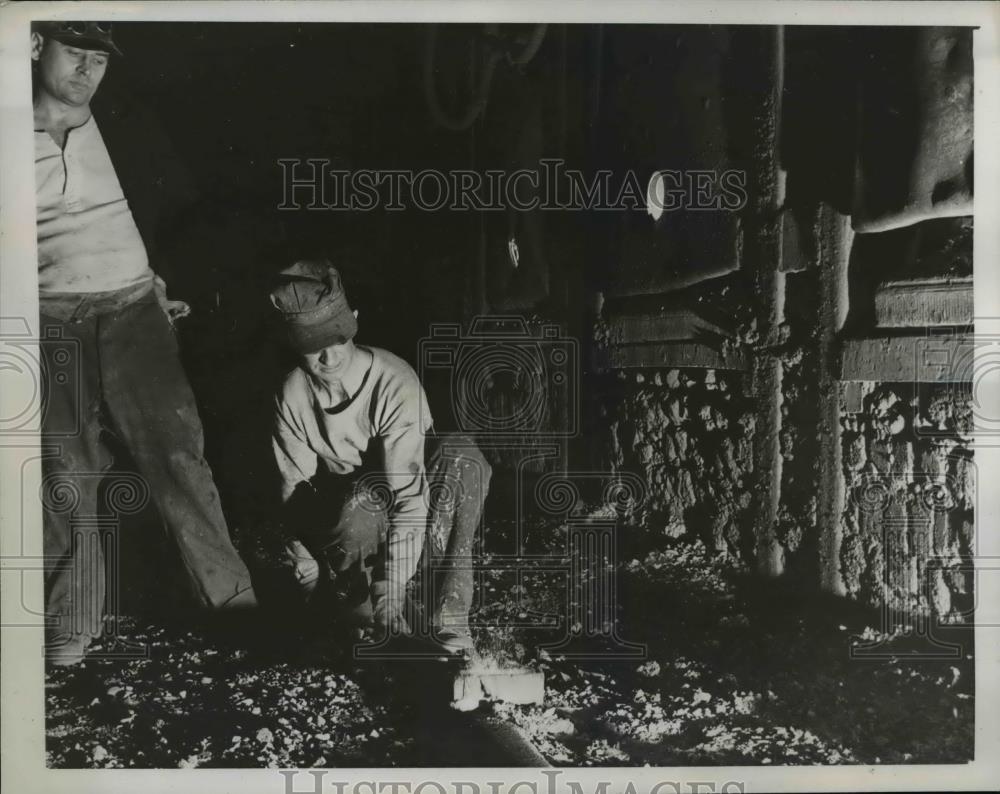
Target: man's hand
(174, 310)
(388, 610)
(304, 566)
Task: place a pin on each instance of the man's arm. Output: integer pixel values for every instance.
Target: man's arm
(296, 461)
(406, 475)
(403, 434)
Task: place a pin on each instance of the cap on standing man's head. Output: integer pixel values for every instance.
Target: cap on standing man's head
(312, 304)
(85, 35)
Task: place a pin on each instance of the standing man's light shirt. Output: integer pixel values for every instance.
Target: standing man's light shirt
(87, 238)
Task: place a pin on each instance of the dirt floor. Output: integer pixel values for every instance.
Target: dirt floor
(734, 671)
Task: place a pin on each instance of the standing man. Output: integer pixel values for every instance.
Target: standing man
(368, 489)
(109, 200)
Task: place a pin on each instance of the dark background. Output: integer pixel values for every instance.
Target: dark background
(236, 97)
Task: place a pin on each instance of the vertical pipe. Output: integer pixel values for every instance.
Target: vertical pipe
(765, 247)
(833, 237)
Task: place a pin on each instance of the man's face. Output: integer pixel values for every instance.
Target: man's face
(66, 73)
(330, 363)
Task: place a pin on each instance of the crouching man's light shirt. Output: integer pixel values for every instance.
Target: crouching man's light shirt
(388, 414)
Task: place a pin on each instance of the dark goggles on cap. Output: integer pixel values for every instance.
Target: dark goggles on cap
(80, 33)
(81, 28)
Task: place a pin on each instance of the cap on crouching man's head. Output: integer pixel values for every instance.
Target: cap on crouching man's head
(313, 306)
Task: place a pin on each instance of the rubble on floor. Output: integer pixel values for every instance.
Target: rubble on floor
(736, 671)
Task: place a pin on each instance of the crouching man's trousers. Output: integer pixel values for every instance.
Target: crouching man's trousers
(352, 544)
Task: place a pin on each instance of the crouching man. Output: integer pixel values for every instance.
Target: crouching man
(371, 496)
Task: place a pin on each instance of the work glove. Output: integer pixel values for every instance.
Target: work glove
(388, 600)
(304, 566)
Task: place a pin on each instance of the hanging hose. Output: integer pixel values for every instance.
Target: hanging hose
(530, 48)
(477, 106)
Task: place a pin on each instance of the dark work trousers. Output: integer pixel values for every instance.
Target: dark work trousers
(353, 545)
(120, 372)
